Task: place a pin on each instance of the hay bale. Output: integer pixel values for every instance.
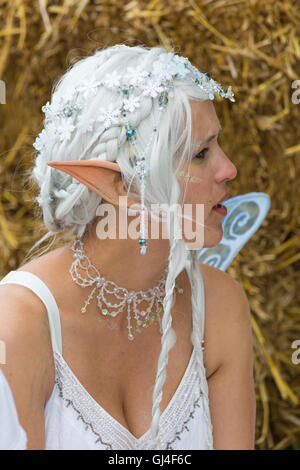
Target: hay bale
(250, 44)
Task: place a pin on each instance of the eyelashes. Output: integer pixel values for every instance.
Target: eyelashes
(201, 155)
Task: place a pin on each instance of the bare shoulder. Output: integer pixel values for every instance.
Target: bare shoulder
(229, 337)
(227, 319)
(220, 282)
(24, 331)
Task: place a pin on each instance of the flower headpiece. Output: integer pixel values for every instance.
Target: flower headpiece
(63, 115)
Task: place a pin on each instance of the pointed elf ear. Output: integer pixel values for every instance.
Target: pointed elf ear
(102, 177)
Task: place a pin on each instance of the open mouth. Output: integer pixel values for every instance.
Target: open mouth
(222, 210)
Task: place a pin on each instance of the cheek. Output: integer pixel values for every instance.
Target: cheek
(199, 192)
(195, 192)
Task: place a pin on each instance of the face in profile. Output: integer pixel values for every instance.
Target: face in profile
(205, 181)
(202, 182)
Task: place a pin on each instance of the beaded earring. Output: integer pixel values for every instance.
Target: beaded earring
(142, 170)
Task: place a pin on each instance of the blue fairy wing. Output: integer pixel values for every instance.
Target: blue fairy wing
(245, 214)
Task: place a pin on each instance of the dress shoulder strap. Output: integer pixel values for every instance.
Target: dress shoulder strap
(202, 295)
(34, 283)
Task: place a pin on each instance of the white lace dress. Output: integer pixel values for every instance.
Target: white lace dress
(74, 420)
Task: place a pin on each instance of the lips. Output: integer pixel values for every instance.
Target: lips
(227, 195)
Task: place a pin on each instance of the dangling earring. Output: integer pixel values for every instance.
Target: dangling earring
(142, 170)
(142, 240)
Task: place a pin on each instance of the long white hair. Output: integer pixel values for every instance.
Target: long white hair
(67, 204)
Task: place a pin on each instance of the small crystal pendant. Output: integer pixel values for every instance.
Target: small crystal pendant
(143, 242)
(163, 100)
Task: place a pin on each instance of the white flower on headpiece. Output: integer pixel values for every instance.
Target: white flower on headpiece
(113, 80)
(162, 71)
(109, 116)
(52, 108)
(65, 129)
(152, 89)
(132, 103)
(85, 124)
(135, 76)
(180, 68)
(41, 140)
(230, 94)
(46, 108)
(88, 87)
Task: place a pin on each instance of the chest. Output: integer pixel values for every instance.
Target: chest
(121, 378)
(182, 422)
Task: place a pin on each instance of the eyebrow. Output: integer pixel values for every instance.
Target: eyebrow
(209, 138)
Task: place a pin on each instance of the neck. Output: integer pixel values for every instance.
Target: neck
(120, 260)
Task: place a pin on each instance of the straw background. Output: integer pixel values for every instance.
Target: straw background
(249, 44)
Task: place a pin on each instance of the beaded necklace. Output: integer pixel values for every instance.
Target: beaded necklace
(153, 297)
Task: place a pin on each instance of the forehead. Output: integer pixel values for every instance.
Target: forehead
(204, 120)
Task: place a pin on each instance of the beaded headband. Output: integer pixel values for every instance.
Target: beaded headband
(63, 115)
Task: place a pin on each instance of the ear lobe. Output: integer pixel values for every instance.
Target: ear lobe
(99, 176)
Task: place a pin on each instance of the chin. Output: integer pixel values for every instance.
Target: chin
(213, 240)
(212, 236)
(199, 246)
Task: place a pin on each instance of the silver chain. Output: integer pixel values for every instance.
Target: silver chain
(153, 297)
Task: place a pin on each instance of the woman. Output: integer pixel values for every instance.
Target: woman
(87, 369)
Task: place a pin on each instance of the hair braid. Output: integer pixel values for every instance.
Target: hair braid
(177, 261)
(197, 336)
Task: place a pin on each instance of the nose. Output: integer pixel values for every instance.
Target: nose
(227, 170)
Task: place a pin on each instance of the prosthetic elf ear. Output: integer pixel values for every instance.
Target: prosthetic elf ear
(102, 177)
